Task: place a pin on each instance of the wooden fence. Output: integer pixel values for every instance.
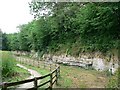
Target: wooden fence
(37, 63)
(53, 78)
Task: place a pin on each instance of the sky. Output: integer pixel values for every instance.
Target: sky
(14, 13)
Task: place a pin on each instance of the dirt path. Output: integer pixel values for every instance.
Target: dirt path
(33, 74)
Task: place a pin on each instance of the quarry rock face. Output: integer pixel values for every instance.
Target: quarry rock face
(96, 63)
(86, 61)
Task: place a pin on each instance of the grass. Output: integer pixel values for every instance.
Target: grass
(19, 74)
(113, 81)
(10, 72)
(42, 71)
(39, 70)
(8, 64)
(76, 77)
(70, 77)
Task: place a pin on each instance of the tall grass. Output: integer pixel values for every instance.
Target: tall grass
(114, 81)
(8, 64)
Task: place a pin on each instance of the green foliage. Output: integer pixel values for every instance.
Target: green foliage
(19, 74)
(13, 41)
(8, 64)
(99, 25)
(84, 26)
(4, 41)
(24, 41)
(114, 81)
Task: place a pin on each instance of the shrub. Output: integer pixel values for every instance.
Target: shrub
(8, 64)
(113, 81)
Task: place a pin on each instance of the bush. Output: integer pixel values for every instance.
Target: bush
(8, 64)
(113, 81)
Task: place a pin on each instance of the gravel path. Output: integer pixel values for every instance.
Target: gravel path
(33, 74)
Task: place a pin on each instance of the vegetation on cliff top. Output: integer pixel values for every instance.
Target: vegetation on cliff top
(70, 27)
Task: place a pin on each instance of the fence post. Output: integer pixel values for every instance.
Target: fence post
(26, 60)
(59, 70)
(51, 81)
(55, 65)
(19, 60)
(44, 64)
(22, 60)
(4, 86)
(35, 83)
(56, 75)
(33, 62)
(50, 67)
(38, 63)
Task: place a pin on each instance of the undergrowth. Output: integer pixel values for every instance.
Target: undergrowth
(11, 72)
(8, 64)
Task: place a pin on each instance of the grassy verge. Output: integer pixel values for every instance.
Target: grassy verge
(10, 72)
(18, 75)
(75, 77)
(114, 81)
(42, 71)
(8, 64)
(71, 77)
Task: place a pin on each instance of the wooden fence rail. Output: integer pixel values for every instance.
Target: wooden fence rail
(37, 63)
(53, 79)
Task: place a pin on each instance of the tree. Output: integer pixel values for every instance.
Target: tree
(13, 41)
(85, 26)
(4, 42)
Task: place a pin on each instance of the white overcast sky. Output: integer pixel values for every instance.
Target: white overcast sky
(14, 13)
